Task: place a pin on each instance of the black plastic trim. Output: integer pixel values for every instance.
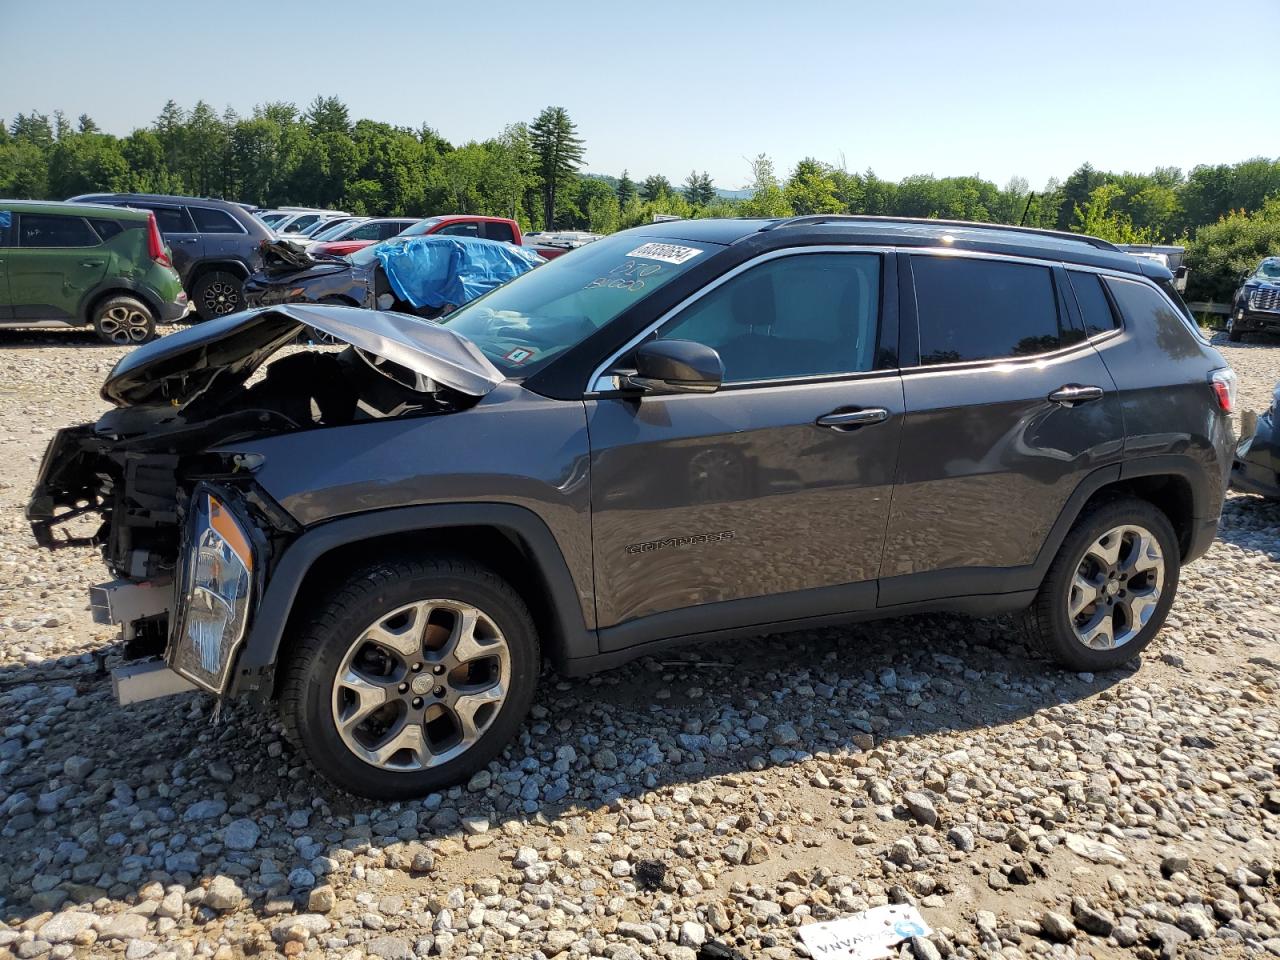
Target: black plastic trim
(266, 631)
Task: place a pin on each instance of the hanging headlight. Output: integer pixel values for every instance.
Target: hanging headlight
(217, 585)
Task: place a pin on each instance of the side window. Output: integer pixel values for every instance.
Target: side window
(798, 316)
(41, 230)
(367, 231)
(463, 229)
(106, 229)
(388, 230)
(972, 309)
(499, 231)
(1095, 308)
(302, 223)
(210, 220)
(1137, 300)
(6, 222)
(172, 219)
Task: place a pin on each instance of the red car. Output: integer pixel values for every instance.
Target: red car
(457, 224)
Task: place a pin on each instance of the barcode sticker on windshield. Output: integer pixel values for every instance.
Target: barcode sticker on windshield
(666, 252)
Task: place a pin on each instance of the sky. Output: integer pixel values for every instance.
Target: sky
(995, 89)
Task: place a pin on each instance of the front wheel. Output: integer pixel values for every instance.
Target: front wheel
(1234, 335)
(123, 321)
(1110, 587)
(411, 677)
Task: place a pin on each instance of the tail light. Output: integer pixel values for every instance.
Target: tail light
(1224, 388)
(155, 243)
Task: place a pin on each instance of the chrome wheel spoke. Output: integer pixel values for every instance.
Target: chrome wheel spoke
(406, 639)
(1100, 635)
(369, 696)
(468, 705)
(1140, 607)
(463, 645)
(409, 736)
(1144, 554)
(1107, 548)
(1083, 592)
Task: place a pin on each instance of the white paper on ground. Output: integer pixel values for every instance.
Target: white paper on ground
(864, 936)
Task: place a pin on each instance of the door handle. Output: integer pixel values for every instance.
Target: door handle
(91, 263)
(852, 419)
(1072, 393)
(186, 240)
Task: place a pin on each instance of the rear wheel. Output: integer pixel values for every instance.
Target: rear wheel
(1109, 589)
(411, 677)
(1234, 335)
(123, 321)
(218, 293)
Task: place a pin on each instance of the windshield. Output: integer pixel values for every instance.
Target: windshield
(336, 230)
(1268, 269)
(527, 322)
(366, 255)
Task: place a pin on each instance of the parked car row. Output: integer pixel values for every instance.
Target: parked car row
(79, 263)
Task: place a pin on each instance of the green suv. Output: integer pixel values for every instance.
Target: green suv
(71, 264)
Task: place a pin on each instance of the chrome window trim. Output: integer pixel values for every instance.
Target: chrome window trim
(599, 383)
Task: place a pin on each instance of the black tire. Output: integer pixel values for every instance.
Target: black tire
(1048, 626)
(217, 293)
(123, 321)
(1234, 335)
(317, 652)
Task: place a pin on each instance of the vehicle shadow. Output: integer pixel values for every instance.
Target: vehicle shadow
(102, 800)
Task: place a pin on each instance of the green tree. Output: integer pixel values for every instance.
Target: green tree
(655, 187)
(558, 151)
(327, 115)
(698, 189)
(1097, 218)
(626, 189)
(767, 199)
(811, 189)
(1221, 253)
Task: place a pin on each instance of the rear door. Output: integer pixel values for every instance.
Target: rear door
(1008, 408)
(179, 233)
(221, 234)
(712, 511)
(57, 260)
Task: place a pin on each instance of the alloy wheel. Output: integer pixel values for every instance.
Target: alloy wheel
(1116, 587)
(421, 685)
(221, 298)
(125, 325)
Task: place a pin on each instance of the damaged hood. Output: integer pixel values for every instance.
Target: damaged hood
(280, 256)
(228, 349)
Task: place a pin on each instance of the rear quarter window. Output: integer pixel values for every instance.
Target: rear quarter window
(210, 220)
(971, 309)
(105, 228)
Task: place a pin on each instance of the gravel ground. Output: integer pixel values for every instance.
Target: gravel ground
(727, 795)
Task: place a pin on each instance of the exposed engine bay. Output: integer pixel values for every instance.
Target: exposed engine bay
(183, 402)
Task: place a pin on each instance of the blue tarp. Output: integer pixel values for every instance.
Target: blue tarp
(433, 271)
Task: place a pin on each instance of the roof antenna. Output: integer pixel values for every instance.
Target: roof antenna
(1026, 209)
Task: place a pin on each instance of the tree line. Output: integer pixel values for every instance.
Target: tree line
(531, 172)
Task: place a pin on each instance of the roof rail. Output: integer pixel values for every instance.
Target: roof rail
(818, 218)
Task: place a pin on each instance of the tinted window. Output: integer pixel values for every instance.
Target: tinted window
(106, 229)
(214, 221)
(367, 231)
(799, 316)
(40, 230)
(1094, 306)
(983, 309)
(171, 219)
(391, 229)
(6, 221)
(460, 229)
(302, 223)
(1137, 302)
(499, 231)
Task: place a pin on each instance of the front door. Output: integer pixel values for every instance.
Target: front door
(1007, 411)
(58, 259)
(767, 500)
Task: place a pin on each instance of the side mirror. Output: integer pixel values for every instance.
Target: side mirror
(676, 366)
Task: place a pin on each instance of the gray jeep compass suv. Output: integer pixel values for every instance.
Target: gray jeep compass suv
(683, 431)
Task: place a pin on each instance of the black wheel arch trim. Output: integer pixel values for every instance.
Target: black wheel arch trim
(199, 268)
(259, 654)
